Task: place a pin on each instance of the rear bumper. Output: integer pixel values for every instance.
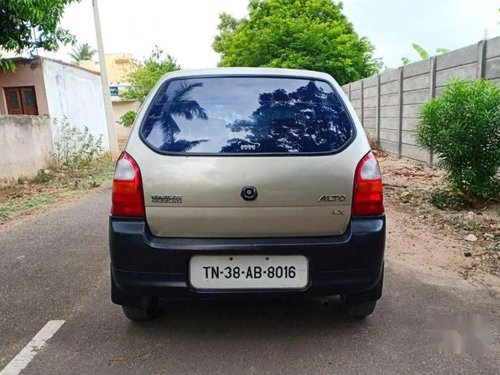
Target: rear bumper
(144, 265)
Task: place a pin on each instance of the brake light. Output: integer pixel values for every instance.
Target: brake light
(368, 198)
(127, 195)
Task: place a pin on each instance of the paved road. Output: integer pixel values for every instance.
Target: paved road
(55, 266)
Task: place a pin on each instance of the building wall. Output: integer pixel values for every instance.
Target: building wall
(28, 73)
(388, 104)
(89, 64)
(26, 144)
(76, 94)
(119, 66)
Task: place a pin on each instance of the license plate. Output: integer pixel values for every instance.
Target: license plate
(248, 271)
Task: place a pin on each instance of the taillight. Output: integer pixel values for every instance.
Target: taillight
(127, 195)
(368, 198)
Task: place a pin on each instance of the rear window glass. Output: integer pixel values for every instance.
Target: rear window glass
(246, 115)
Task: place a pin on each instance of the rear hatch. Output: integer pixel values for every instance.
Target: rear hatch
(286, 142)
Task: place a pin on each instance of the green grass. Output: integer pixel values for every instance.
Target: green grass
(10, 208)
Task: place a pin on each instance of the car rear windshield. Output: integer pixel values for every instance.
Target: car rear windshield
(246, 115)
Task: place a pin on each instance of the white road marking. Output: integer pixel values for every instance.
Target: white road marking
(24, 357)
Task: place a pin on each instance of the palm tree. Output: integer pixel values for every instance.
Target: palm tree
(81, 52)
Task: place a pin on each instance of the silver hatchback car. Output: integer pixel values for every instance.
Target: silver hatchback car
(239, 182)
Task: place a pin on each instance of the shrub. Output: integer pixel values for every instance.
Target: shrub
(128, 119)
(76, 148)
(462, 127)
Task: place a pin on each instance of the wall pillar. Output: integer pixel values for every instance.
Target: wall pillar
(400, 115)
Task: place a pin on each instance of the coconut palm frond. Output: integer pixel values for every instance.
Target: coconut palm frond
(82, 52)
(181, 92)
(188, 109)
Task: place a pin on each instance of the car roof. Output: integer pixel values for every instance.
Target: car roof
(248, 72)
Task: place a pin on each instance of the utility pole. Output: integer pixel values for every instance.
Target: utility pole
(110, 122)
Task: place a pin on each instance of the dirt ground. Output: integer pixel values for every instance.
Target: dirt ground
(466, 242)
(52, 187)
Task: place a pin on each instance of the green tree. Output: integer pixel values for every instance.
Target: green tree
(148, 72)
(26, 25)
(305, 34)
(81, 52)
(144, 78)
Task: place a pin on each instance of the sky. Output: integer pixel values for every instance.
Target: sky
(186, 28)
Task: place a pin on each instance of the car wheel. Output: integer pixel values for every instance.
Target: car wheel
(144, 313)
(360, 310)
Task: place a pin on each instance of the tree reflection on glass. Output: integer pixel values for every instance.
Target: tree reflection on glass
(163, 111)
(306, 120)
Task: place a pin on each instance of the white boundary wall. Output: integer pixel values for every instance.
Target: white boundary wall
(26, 145)
(75, 93)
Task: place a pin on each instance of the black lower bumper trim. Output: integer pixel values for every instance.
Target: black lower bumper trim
(144, 265)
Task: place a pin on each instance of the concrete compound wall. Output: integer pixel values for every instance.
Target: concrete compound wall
(388, 104)
(76, 94)
(26, 144)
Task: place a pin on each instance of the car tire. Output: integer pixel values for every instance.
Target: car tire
(360, 305)
(144, 313)
(360, 310)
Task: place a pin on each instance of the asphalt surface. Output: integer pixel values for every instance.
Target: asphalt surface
(55, 266)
